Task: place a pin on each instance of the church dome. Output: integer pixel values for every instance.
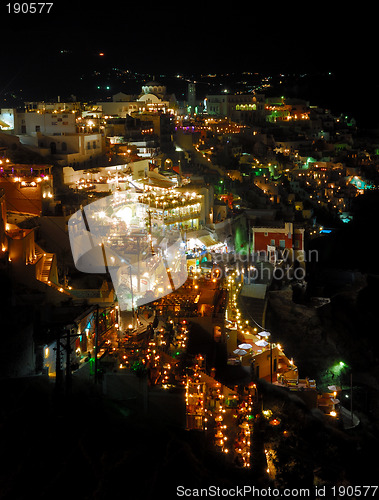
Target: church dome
(153, 87)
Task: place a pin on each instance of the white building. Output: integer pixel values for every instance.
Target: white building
(241, 108)
(152, 98)
(104, 177)
(53, 132)
(67, 149)
(49, 123)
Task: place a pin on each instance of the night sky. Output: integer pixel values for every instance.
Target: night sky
(58, 53)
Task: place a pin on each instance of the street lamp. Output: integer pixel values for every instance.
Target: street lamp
(337, 369)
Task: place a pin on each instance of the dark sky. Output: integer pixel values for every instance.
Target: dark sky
(170, 35)
(185, 37)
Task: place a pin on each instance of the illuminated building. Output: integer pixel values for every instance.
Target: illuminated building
(54, 130)
(83, 327)
(144, 121)
(280, 109)
(28, 188)
(191, 98)
(106, 178)
(37, 269)
(271, 238)
(153, 98)
(240, 108)
(29, 264)
(177, 210)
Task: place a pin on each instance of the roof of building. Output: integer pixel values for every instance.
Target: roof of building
(153, 84)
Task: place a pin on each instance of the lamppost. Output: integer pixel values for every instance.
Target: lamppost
(337, 369)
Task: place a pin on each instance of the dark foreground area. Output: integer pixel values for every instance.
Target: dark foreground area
(88, 446)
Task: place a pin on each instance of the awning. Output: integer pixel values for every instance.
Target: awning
(208, 241)
(4, 125)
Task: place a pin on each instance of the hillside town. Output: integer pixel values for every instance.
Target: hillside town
(247, 185)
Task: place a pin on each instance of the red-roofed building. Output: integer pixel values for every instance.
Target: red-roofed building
(270, 239)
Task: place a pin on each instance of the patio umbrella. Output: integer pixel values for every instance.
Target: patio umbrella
(332, 388)
(261, 343)
(239, 352)
(245, 346)
(264, 334)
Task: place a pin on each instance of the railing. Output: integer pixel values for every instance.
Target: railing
(181, 217)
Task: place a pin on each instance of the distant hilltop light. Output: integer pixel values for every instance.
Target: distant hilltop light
(101, 54)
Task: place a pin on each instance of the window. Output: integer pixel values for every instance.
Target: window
(282, 243)
(246, 107)
(272, 242)
(38, 128)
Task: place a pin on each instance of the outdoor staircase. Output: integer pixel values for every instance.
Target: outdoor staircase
(45, 271)
(47, 260)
